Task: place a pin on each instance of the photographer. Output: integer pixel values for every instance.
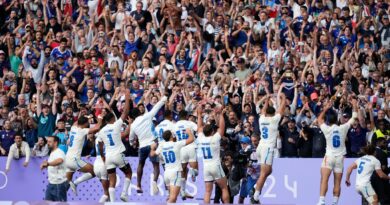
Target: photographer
(252, 169)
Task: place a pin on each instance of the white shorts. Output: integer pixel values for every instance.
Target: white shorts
(265, 155)
(188, 154)
(100, 169)
(116, 161)
(73, 164)
(367, 192)
(212, 172)
(172, 178)
(333, 163)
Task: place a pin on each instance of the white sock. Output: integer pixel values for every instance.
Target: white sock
(103, 199)
(196, 172)
(256, 195)
(111, 191)
(322, 200)
(183, 186)
(83, 178)
(126, 186)
(335, 200)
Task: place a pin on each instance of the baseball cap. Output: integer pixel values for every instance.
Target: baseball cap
(245, 140)
(386, 16)
(2, 52)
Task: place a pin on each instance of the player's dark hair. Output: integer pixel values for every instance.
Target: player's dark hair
(167, 135)
(108, 117)
(134, 113)
(331, 117)
(64, 40)
(82, 120)
(183, 115)
(369, 150)
(167, 114)
(208, 130)
(270, 110)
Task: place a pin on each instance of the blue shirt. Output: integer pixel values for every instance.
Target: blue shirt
(130, 47)
(63, 141)
(7, 138)
(56, 53)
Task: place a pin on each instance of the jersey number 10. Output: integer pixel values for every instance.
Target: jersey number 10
(169, 157)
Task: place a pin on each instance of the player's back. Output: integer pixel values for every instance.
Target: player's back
(111, 137)
(366, 165)
(181, 129)
(210, 147)
(269, 127)
(165, 125)
(77, 137)
(170, 152)
(144, 129)
(335, 139)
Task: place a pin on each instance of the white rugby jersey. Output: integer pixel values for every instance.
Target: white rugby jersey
(170, 152)
(335, 136)
(211, 148)
(366, 165)
(77, 137)
(181, 127)
(269, 128)
(162, 127)
(110, 135)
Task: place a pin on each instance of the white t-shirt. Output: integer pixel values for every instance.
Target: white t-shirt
(162, 127)
(269, 128)
(143, 126)
(119, 18)
(76, 141)
(110, 135)
(56, 174)
(170, 152)
(181, 129)
(210, 148)
(112, 58)
(98, 159)
(335, 137)
(366, 165)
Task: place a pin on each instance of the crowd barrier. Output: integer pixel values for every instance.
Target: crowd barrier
(293, 181)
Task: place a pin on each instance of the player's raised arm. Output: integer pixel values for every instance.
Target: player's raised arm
(265, 105)
(191, 136)
(125, 112)
(97, 127)
(156, 107)
(354, 113)
(221, 126)
(200, 120)
(349, 172)
(282, 105)
(321, 117)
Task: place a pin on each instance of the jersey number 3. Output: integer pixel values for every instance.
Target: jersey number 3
(264, 132)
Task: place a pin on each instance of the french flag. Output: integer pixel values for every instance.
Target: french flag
(372, 99)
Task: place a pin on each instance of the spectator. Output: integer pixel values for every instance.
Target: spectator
(40, 148)
(18, 150)
(7, 138)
